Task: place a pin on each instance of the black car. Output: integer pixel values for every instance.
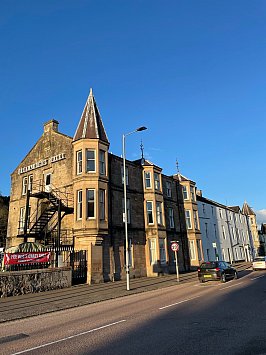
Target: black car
(216, 270)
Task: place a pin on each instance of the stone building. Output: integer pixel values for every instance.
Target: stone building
(70, 190)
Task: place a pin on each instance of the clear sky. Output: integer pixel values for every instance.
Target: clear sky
(192, 71)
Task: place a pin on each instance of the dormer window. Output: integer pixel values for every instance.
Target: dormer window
(90, 160)
(157, 181)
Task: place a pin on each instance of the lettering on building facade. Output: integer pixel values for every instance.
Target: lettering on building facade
(41, 163)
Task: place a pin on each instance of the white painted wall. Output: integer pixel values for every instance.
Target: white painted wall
(226, 229)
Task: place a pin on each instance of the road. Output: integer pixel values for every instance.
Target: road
(192, 318)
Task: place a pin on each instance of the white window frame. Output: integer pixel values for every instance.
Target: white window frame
(79, 205)
(102, 164)
(88, 160)
(152, 251)
(159, 213)
(79, 162)
(192, 251)
(196, 222)
(24, 185)
(185, 193)
(147, 177)
(188, 219)
(30, 182)
(149, 212)
(22, 218)
(87, 204)
(157, 184)
(198, 244)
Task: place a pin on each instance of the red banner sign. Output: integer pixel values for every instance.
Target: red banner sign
(26, 258)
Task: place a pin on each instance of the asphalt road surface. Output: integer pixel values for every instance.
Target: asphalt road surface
(192, 318)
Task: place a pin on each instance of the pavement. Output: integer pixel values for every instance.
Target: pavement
(22, 306)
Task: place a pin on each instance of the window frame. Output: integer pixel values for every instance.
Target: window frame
(128, 210)
(102, 198)
(192, 193)
(102, 163)
(147, 173)
(185, 193)
(195, 217)
(149, 212)
(88, 203)
(88, 160)
(168, 189)
(24, 185)
(162, 250)
(188, 218)
(157, 183)
(192, 251)
(122, 175)
(79, 162)
(171, 217)
(152, 251)
(79, 205)
(159, 213)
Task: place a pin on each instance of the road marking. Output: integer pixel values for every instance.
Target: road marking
(70, 337)
(258, 277)
(174, 304)
(239, 283)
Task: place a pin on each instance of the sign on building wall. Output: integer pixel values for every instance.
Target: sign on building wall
(26, 258)
(41, 163)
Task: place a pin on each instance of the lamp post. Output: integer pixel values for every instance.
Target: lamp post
(125, 200)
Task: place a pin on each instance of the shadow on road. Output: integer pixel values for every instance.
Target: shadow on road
(219, 322)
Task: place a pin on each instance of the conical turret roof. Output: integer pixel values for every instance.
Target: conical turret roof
(90, 124)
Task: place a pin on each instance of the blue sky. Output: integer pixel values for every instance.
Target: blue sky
(193, 72)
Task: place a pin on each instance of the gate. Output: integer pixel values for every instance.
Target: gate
(78, 261)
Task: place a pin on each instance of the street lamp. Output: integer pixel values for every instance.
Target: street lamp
(125, 200)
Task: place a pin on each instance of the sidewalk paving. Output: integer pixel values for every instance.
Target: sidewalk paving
(28, 305)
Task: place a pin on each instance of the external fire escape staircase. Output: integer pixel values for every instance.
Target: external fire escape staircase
(55, 205)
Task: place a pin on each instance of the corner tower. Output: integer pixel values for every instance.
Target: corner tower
(90, 187)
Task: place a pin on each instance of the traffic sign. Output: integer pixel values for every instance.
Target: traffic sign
(175, 246)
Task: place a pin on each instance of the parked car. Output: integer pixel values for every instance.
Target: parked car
(216, 270)
(259, 263)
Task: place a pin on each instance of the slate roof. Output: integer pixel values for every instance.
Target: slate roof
(237, 209)
(145, 162)
(90, 125)
(247, 210)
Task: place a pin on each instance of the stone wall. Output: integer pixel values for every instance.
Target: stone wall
(13, 283)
